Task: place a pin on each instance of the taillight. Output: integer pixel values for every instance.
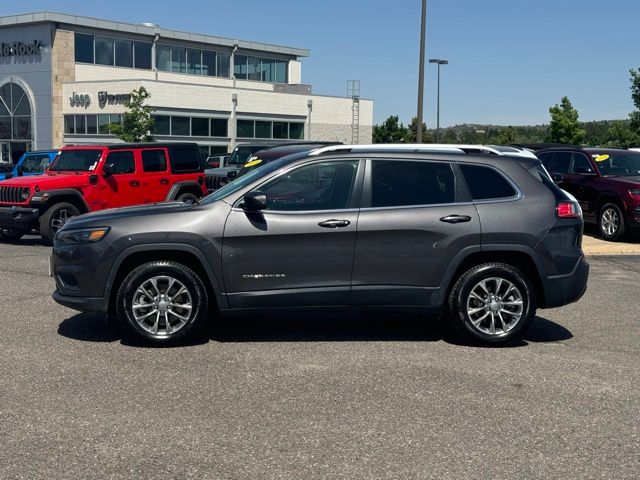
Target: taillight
(568, 210)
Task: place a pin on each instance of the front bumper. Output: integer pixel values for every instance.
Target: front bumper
(561, 290)
(82, 304)
(19, 218)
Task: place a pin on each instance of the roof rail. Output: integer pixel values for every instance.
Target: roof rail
(417, 148)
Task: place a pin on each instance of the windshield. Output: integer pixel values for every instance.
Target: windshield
(35, 163)
(241, 154)
(76, 161)
(625, 164)
(250, 177)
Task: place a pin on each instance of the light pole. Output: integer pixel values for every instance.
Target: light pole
(439, 62)
(423, 28)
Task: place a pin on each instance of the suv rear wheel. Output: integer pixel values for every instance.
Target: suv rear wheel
(187, 197)
(55, 218)
(162, 302)
(491, 304)
(611, 222)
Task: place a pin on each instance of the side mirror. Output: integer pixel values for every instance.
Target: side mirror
(584, 171)
(557, 178)
(108, 169)
(19, 170)
(232, 174)
(254, 201)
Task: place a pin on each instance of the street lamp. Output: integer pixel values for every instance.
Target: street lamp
(439, 62)
(423, 30)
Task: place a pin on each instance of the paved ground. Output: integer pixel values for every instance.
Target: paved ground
(593, 245)
(337, 396)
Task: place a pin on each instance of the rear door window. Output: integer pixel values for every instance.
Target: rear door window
(560, 162)
(580, 164)
(154, 161)
(185, 159)
(485, 183)
(408, 183)
(123, 162)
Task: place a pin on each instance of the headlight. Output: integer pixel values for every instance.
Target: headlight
(26, 191)
(82, 236)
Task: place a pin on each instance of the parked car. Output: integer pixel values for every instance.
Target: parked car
(217, 177)
(605, 181)
(31, 163)
(268, 155)
(216, 161)
(485, 238)
(88, 178)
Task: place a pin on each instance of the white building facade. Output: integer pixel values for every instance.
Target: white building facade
(64, 79)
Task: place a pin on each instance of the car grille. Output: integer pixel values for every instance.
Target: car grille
(11, 195)
(213, 182)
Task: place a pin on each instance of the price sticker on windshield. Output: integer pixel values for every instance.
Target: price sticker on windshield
(252, 163)
(601, 158)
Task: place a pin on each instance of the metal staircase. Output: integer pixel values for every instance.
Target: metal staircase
(353, 91)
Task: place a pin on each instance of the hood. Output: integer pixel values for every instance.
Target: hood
(631, 182)
(104, 218)
(221, 172)
(48, 181)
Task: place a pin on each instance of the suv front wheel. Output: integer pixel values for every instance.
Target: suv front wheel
(611, 222)
(491, 304)
(162, 302)
(55, 218)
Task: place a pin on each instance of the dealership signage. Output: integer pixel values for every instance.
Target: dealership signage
(80, 100)
(12, 49)
(105, 98)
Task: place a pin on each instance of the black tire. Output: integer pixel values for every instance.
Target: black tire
(461, 301)
(11, 235)
(187, 197)
(170, 329)
(54, 218)
(611, 223)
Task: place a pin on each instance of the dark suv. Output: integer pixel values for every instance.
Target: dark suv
(486, 238)
(605, 181)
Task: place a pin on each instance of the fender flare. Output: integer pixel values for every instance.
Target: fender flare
(43, 197)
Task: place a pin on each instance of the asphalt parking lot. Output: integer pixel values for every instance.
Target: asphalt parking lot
(338, 395)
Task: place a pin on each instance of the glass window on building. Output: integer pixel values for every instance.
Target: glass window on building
(280, 130)
(162, 124)
(5, 126)
(22, 128)
(263, 129)
(208, 63)
(219, 127)
(199, 127)
(194, 61)
(124, 53)
(178, 60)
(223, 63)
(268, 70)
(103, 124)
(116, 118)
(163, 58)
(142, 55)
(92, 125)
(240, 67)
(69, 124)
(84, 48)
(81, 125)
(104, 50)
(296, 131)
(245, 128)
(180, 126)
(281, 72)
(253, 68)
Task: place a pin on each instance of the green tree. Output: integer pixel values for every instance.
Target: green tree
(137, 122)
(391, 131)
(449, 136)
(635, 96)
(564, 126)
(621, 135)
(412, 132)
(503, 136)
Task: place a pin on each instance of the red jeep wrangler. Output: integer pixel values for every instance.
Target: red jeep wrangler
(87, 178)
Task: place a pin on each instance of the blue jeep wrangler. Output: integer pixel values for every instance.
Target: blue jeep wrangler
(31, 163)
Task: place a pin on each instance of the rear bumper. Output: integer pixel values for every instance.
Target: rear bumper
(82, 304)
(561, 290)
(20, 218)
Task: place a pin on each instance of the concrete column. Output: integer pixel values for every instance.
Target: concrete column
(308, 122)
(233, 124)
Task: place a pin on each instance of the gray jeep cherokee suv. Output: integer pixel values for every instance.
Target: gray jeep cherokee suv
(484, 238)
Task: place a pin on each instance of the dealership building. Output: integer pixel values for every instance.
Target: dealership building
(65, 78)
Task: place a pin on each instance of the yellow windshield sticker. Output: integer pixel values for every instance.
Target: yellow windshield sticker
(601, 158)
(252, 163)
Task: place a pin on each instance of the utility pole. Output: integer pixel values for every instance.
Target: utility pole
(423, 29)
(439, 62)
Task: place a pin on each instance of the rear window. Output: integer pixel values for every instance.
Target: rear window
(486, 183)
(184, 159)
(154, 161)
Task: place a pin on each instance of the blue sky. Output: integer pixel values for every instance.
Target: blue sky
(509, 59)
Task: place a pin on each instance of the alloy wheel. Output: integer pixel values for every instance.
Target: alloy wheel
(58, 221)
(162, 305)
(495, 306)
(610, 222)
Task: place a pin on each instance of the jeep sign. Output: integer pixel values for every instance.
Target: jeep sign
(80, 100)
(18, 48)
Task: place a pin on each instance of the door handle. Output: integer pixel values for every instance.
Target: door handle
(134, 183)
(333, 223)
(164, 181)
(456, 219)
